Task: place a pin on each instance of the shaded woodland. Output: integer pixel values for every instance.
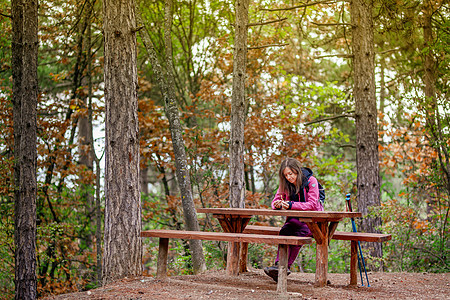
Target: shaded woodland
(356, 90)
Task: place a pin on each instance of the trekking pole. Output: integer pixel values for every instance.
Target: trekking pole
(347, 199)
(359, 244)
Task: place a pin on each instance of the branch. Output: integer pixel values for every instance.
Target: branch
(300, 6)
(334, 55)
(390, 50)
(432, 253)
(266, 46)
(402, 76)
(134, 30)
(5, 15)
(349, 114)
(265, 23)
(331, 24)
(347, 146)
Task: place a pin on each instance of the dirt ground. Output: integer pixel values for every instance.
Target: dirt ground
(256, 285)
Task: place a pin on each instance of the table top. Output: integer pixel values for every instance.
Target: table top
(305, 215)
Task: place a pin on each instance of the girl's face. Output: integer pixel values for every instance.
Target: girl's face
(290, 175)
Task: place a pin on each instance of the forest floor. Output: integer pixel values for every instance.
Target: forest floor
(256, 285)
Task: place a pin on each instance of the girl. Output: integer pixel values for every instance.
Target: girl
(298, 190)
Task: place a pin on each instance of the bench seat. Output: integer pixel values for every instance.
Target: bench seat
(164, 235)
(354, 237)
(338, 235)
(226, 237)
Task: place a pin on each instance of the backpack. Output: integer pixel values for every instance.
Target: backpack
(308, 173)
(321, 192)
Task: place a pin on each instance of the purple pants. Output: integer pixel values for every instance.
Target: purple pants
(294, 227)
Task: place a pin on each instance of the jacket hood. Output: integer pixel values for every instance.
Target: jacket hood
(307, 173)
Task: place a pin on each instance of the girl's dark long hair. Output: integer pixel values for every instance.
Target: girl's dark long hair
(285, 185)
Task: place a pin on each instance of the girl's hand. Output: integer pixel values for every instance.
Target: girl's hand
(285, 205)
(281, 204)
(277, 204)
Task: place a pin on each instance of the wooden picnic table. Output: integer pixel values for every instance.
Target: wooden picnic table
(321, 223)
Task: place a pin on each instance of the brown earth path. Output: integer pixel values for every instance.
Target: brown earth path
(256, 285)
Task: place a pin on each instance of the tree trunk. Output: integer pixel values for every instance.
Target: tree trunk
(122, 243)
(434, 117)
(25, 94)
(165, 80)
(429, 79)
(85, 143)
(429, 67)
(97, 208)
(84, 125)
(238, 106)
(368, 180)
(144, 180)
(383, 89)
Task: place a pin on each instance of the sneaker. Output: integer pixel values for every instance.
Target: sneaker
(273, 272)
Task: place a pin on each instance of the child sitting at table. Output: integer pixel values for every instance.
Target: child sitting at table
(298, 190)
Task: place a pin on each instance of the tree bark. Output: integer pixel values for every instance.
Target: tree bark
(122, 243)
(429, 79)
(238, 106)
(25, 94)
(97, 207)
(368, 179)
(165, 81)
(85, 135)
(429, 65)
(144, 180)
(434, 117)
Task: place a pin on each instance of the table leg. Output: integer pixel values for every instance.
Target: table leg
(331, 229)
(282, 270)
(243, 258)
(322, 257)
(353, 263)
(321, 235)
(235, 224)
(230, 223)
(233, 259)
(161, 269)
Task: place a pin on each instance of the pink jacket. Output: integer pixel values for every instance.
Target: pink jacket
(312, 197)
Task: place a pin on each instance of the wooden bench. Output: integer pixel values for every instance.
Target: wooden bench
(283, 241)
(354, 237)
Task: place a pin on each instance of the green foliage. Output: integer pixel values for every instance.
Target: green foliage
(338, 258)
(6, 248)
(5, 49)
(261, 255)
(150, 255)
(181, 263)
(306, 260)
(417, 244)
(215, 254)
